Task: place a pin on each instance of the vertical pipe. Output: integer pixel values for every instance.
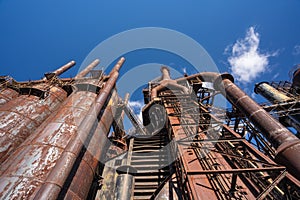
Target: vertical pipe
(84, 72)
(124, 187)
(165, 73)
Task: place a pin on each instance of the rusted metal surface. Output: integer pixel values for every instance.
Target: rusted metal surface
(95, 149)
(271, 93)
(64, 164)
(7, 94)
(22, 115)
(85, 71)
(28, 167)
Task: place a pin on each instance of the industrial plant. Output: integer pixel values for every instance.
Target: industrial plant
(64, 138)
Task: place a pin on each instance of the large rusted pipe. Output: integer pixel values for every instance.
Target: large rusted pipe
(84, 72)
(286, 143)
(6, 95)
(96, 148)
(64, 68)
(63, 166)
(22, 115)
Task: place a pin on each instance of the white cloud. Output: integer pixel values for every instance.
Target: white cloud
(296, 50)
(246, 61)
(136, 104)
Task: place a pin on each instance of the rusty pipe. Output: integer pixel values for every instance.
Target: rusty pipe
(118, 66)
(85, 71)
(96, 148)
(62, 69)
(31, 163)
(63, 167)
(203, 76)
(165, 73)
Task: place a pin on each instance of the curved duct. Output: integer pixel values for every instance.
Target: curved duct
(167, 82)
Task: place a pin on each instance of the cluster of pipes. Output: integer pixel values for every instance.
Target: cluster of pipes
(44, 139)
(50, 146)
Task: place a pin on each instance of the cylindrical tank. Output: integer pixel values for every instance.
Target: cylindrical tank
(20, 116)
(7, 94)
(29, 166)
(38, 159)
(63, 168)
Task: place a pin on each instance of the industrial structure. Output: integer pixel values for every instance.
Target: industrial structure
(64, 138)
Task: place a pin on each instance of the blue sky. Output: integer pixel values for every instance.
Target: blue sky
(39, 36)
